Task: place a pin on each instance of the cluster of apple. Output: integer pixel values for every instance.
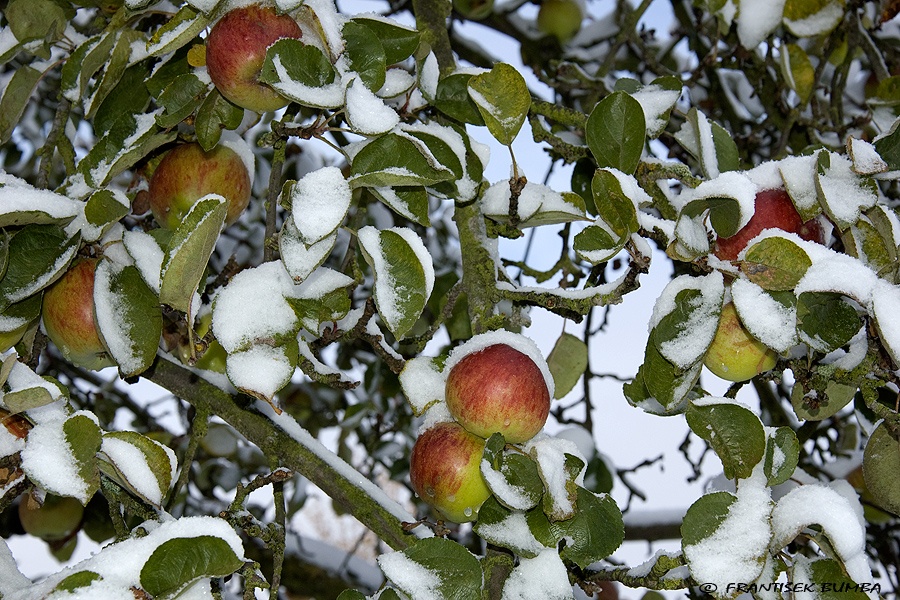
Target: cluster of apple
(735, 355)
(494, 388)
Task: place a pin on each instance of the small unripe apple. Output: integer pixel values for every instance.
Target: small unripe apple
(773, 210)
(68, 316)
(734, 354)
(55, 519)
(188, 172)
(236, 50)
(498, 390)
(445, 471)
(474, 9)
(560, 18)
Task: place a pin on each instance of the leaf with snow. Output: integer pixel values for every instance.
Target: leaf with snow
(38, 256)
(423, 383)
(825, 320)
(20, 314)
(409, 202)
(809, 18)
(263, 369)
(105, 207)
(178, 562)
(729, 200)
(709, 143)
(734, 432)
(657, 101)
(770, 317)
(83, 63)
(396, 160)
(319, 203)
(775, 263)
(685, 318)
(660, 387)
(782, 455)
(367, 114)
(502, 97)
(434, 568)
(543, 577)
(299, 258)
(537, 203)
(128, 315)
(507, 528)
(184, 26)
(141, 465)
(321, 298)
(365, 54)
(866, 243)
(885, 304)
(561, 470)
(404, 275)
(115, 67)
(302, 73)
(512, 477)
(843, 193)
(21, 204)
(397, 41)
(189, 251)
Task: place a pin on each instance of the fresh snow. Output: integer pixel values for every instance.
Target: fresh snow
(535, 198)
(422, 383)
(543, 577)
(697, 334)
(366, 112)
(319, 203)
(769, 321)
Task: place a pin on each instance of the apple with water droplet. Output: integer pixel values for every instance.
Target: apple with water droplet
(560, 18)
(188, 172)
(54, 519)
(734, 354)
(236, 50)
(68, 317)
(445, 471)
(773, 209)
(498, 389)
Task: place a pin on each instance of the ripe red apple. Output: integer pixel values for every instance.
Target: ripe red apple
(773, 210)
(560, 18)
(235, 52)
(498, 389)
(188, 172)
(68, 316)
(734, 354)
(55, 519)
(445, 471)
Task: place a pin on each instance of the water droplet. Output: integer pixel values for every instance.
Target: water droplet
(451, 498)
(506, 423)
(429, 491)
(468, 512)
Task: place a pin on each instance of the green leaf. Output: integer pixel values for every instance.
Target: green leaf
(683, 334)
(596, 531)
(782, 455)
(115, 68)
(403, 282)
(662, 381)
(77, 580)
(499, 525)
(724, 212)
(83, 63)
(83, 437)
(704, 139)
(394, 160)
(843, 194)
(705, 516)
(821, 404)
(351, 595)
(365, 54)
(154, 457)
(503, 99)
(513, 477)
(35, 20)
(457, 570)
(189, 251)
(866, 243)
(829, 579)
(616, 131)
(735, 434)
(303, 64)
(798, 71)
(26, 399)
(215, 114)
(397, 41)
(15, 98)
(612, 204)
(178, 562)
(129, 96)
(182, 28)
(567, 361)
(408, 202)
(128, 316)
(595, 245)
(825, 320)
(775, 264)
(180, 99)
(453, 99)
(881, 468)
(326, 306)
(20, 314)
(105, 207)
(38, 255)
(888, 146)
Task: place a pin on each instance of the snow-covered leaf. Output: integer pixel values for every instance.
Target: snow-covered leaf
(15, 98)
(502, 97)
(263, 369)
(183, 27)
(397, 41)
(685, 318)
(395, 160)
(782, 455)
(537, 205)
(138, 463)
(189, 251)
(616, 131)
(83, 63)
(22, 204)
(128, 316)
(115, 67)
(825, 320)
(404, 275)
(775, 263)
(511, 476)
(319, 202)
(434, 568)
(507, 528)
(364, 52)
(408, 202)
(105, 207)
(734, 432)
(709, 143)
(301, 259)
(843, 193)
(321, 298)
(38, 255)
(302, 73)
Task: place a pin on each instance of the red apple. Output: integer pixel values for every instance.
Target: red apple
(445, 471)
(54, 519)
(560, 18)
(235, 52)
(498, 389)
(734, 354)
(188, 172)
(68, 316)
(773, 210)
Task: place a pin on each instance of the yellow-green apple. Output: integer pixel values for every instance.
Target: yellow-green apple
(445, 471)
(68, 316)
(188, 172)
(235, 52)
(474, 9)
(734, 354)
(54, 519)
(560, 18)
(773, 210)
(498, 390)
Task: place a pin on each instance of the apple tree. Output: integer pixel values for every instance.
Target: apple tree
(249, 246)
